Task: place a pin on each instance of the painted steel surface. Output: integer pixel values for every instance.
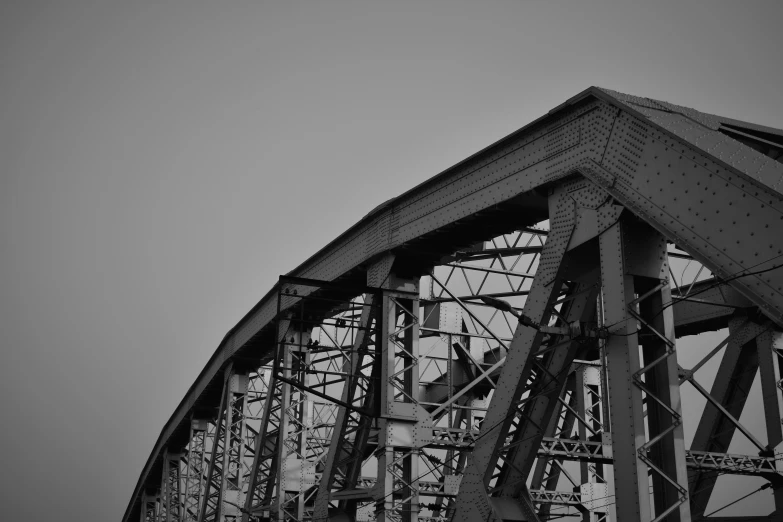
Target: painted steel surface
(699, 181)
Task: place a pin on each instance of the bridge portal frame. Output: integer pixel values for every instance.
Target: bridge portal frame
(644, 154)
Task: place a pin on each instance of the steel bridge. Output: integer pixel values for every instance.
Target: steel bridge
(500, 342)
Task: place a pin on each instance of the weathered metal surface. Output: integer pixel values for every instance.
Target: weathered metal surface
(709, 184)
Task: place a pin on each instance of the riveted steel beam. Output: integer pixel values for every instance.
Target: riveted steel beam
(402, 421)
(209, 508)
(668, 455)
(263, 471)
(195, 470)
(223, 479)
(770, 352)
(170, 507)
(474, 502)
(347, 447)
(673, 183)
(295, 471)
(545, 391)
(632, 260)
(546, 472)
(149, 508)
(508, 170)
(730, 389)
(672, 166)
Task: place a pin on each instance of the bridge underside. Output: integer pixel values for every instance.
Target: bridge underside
(508, 341)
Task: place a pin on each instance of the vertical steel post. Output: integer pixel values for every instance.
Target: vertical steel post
(396, 493)
(730, 389)
(622, 353)
(634, 262)
(595, 488)
(233, 446)
(770, 351)
(295, 474)
(581, 409)
(546, 473)
(257, 389)
(662, 380)
(210, 504)
(351, 427)
(195, 469)
(473, 502)
(149, 508)
(169, 488)
(263, 472)
(221, 497)
(545, 390)
(163, 501)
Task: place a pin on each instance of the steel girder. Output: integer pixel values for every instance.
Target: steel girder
(195, 470)
(709, 185)
(149, 509)
(548, 467)
(220, 499)
(730, 389)
(770, 351)
(352, 427)
(170, 503)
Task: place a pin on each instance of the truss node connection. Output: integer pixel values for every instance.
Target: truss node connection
(507, 342)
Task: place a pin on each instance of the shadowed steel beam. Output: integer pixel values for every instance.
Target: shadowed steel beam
(195, 470)
(661, 379)
(728, 415)
(294, 472)
(210, 505)
(222, 481)
(754, 266)
(626, 415)
(546, 390)
(509, 169)
(170, 488)
(673, 167)
(264, 468)
(397, 492)
(730, 388)
(770, 350)
(148, 508)
(473, 502)
(342, 450)
(540, 477)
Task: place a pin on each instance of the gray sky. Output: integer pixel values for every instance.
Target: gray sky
(162, 163)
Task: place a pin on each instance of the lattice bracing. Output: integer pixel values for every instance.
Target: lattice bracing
(504, 341)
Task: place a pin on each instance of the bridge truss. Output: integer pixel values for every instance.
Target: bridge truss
(501, 342)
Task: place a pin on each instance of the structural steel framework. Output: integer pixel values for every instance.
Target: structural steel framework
(500, 342)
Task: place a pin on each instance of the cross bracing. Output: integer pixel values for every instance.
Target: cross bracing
(501, 342)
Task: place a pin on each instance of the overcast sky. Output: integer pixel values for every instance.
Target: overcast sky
(162, 163)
